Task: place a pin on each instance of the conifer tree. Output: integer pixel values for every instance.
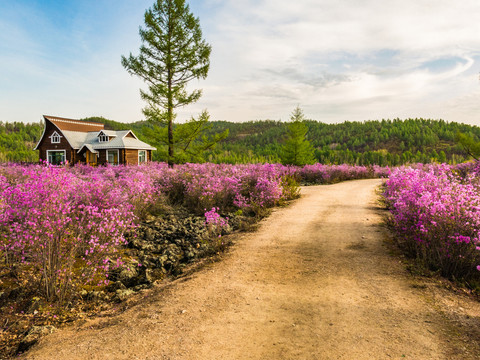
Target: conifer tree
(172, 53)
(297, 150)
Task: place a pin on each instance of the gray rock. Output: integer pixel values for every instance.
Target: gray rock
(127, 274)
(149, 234)
(150, 219)
(116, 285)
(163, 245)
(96, 295)
(154, 274)
(35, 333)
(121, 295)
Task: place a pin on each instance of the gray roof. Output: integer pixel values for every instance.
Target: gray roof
(90, 148)
(119, 140)
(75, 138)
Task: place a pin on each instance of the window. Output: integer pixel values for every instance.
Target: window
(56, 157)
(142, 156)
(91, 158)
(103, 138)
(55, 138)
(112, 157)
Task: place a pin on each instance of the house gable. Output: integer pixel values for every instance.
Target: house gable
(130, 134)
(53, 140)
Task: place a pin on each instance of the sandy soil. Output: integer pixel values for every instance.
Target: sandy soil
(316, 281)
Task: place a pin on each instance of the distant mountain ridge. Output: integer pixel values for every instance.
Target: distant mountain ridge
(383, 142)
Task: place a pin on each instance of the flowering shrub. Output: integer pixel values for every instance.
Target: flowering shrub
(54, 223)
(63, 225)
(327, 174)
(227, 187)
(436, 215)
(215, 223)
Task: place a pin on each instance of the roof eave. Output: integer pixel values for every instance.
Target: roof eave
(86, 145)
(124, 147)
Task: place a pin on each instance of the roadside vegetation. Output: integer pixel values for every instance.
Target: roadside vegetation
(435, 216)
(73, 239)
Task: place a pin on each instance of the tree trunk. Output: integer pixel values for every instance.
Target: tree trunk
(170, 160)
(170, 136)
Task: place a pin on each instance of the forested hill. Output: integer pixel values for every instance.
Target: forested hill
(386, 142)
(17, 141)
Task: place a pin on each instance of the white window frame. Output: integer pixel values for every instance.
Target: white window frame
(118, 156)
(103, 138)
(55, 138)
(144, 156)
(64, 155)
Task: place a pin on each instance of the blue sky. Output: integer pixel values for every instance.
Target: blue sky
(338, 59)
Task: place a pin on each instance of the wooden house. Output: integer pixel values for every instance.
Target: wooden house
(76, 141)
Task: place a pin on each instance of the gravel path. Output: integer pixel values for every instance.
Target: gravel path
(316, 281)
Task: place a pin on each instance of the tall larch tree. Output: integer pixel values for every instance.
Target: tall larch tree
(172, 54)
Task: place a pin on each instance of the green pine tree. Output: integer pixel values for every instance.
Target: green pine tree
(297, 150)
(172, 54)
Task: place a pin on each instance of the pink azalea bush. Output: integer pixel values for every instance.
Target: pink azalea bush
(436, 215)
(64, 225)
(327, 174)
(227, 187)
(60, 227)
(215, 223)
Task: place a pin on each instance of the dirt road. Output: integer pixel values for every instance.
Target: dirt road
(316, 281)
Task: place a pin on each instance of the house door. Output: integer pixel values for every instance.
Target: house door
(91, 158)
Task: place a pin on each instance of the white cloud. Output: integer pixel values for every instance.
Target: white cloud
(338, 59)
(375, 53)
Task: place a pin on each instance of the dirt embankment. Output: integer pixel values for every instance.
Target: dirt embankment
(316, 281)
